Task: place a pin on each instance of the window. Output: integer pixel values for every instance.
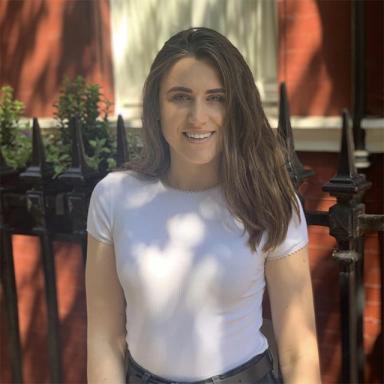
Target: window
(140, 27)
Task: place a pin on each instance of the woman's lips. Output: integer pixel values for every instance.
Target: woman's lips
(199, 137)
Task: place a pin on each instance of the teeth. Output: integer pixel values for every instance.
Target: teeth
(198, 135)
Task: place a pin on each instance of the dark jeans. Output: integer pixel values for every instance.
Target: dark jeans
(262, 364)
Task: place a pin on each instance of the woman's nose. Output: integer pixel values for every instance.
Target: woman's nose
(198, 113)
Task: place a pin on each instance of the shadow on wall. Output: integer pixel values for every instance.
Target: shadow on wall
(18, 30)
(44, 42)
(315, 55)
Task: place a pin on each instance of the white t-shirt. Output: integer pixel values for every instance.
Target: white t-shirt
(193, 287)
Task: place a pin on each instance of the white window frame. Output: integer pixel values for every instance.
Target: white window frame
(140, 27)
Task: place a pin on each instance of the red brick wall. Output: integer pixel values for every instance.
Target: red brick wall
(42, 42)
(315, 55)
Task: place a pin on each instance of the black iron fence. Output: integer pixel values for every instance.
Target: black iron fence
(34, 203)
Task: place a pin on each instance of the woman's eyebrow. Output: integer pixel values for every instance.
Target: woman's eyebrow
(178, 89)
(216, 90)
(188, 90)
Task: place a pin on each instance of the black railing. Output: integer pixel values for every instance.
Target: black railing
(34, 203)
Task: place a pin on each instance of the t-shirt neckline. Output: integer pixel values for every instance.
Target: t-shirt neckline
(168, 187)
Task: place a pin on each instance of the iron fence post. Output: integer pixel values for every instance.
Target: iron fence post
(39, 176)
(7, 276)
(82, 178)
(349, 187)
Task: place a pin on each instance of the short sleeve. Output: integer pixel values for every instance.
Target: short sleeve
(296, 238)
(99, 213)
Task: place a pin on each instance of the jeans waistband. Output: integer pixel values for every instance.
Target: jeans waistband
(251, 371)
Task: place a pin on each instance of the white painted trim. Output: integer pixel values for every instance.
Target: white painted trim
(311, 134)
(319, 134)
(310, 122)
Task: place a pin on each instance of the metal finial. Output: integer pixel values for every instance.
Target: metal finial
(79, 170)
(78, 151)
(39, 169)
(38, 152)
(295, 167)
(347, 182)
(346, 161)
(284, 128)
(122, 155)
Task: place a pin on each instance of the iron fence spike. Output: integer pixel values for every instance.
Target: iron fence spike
(347, 181)
(284, 131)
(78, 152)
(122, 154)
(346, 161)
(284, 124)
(38, 153)
(39, 169)
(79, 170)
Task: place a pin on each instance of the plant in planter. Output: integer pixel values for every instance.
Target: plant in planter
(85, 102)
(15, 138)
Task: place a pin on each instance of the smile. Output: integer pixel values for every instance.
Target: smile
(197, 137)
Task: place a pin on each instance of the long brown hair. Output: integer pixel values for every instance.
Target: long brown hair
(253, 175)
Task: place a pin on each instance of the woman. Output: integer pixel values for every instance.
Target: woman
(180, 245)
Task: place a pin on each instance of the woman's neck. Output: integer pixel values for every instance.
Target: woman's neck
(193, 177)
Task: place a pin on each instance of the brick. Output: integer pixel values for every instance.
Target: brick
(308, 53)
(373, 295)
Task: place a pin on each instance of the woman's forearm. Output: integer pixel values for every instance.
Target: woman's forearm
(301, 365)
(105, 362)
(106, 332)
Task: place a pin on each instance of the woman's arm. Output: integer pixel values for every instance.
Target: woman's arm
(106, 316)
(290, 294)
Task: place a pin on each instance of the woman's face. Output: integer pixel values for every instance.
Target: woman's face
(192, 108)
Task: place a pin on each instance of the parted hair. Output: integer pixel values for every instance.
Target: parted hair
(253, 175)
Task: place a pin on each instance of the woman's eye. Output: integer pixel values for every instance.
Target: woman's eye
(180, 97)
(217, 98)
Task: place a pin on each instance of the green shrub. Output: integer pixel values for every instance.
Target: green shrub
(85, 102)
(15, 138)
